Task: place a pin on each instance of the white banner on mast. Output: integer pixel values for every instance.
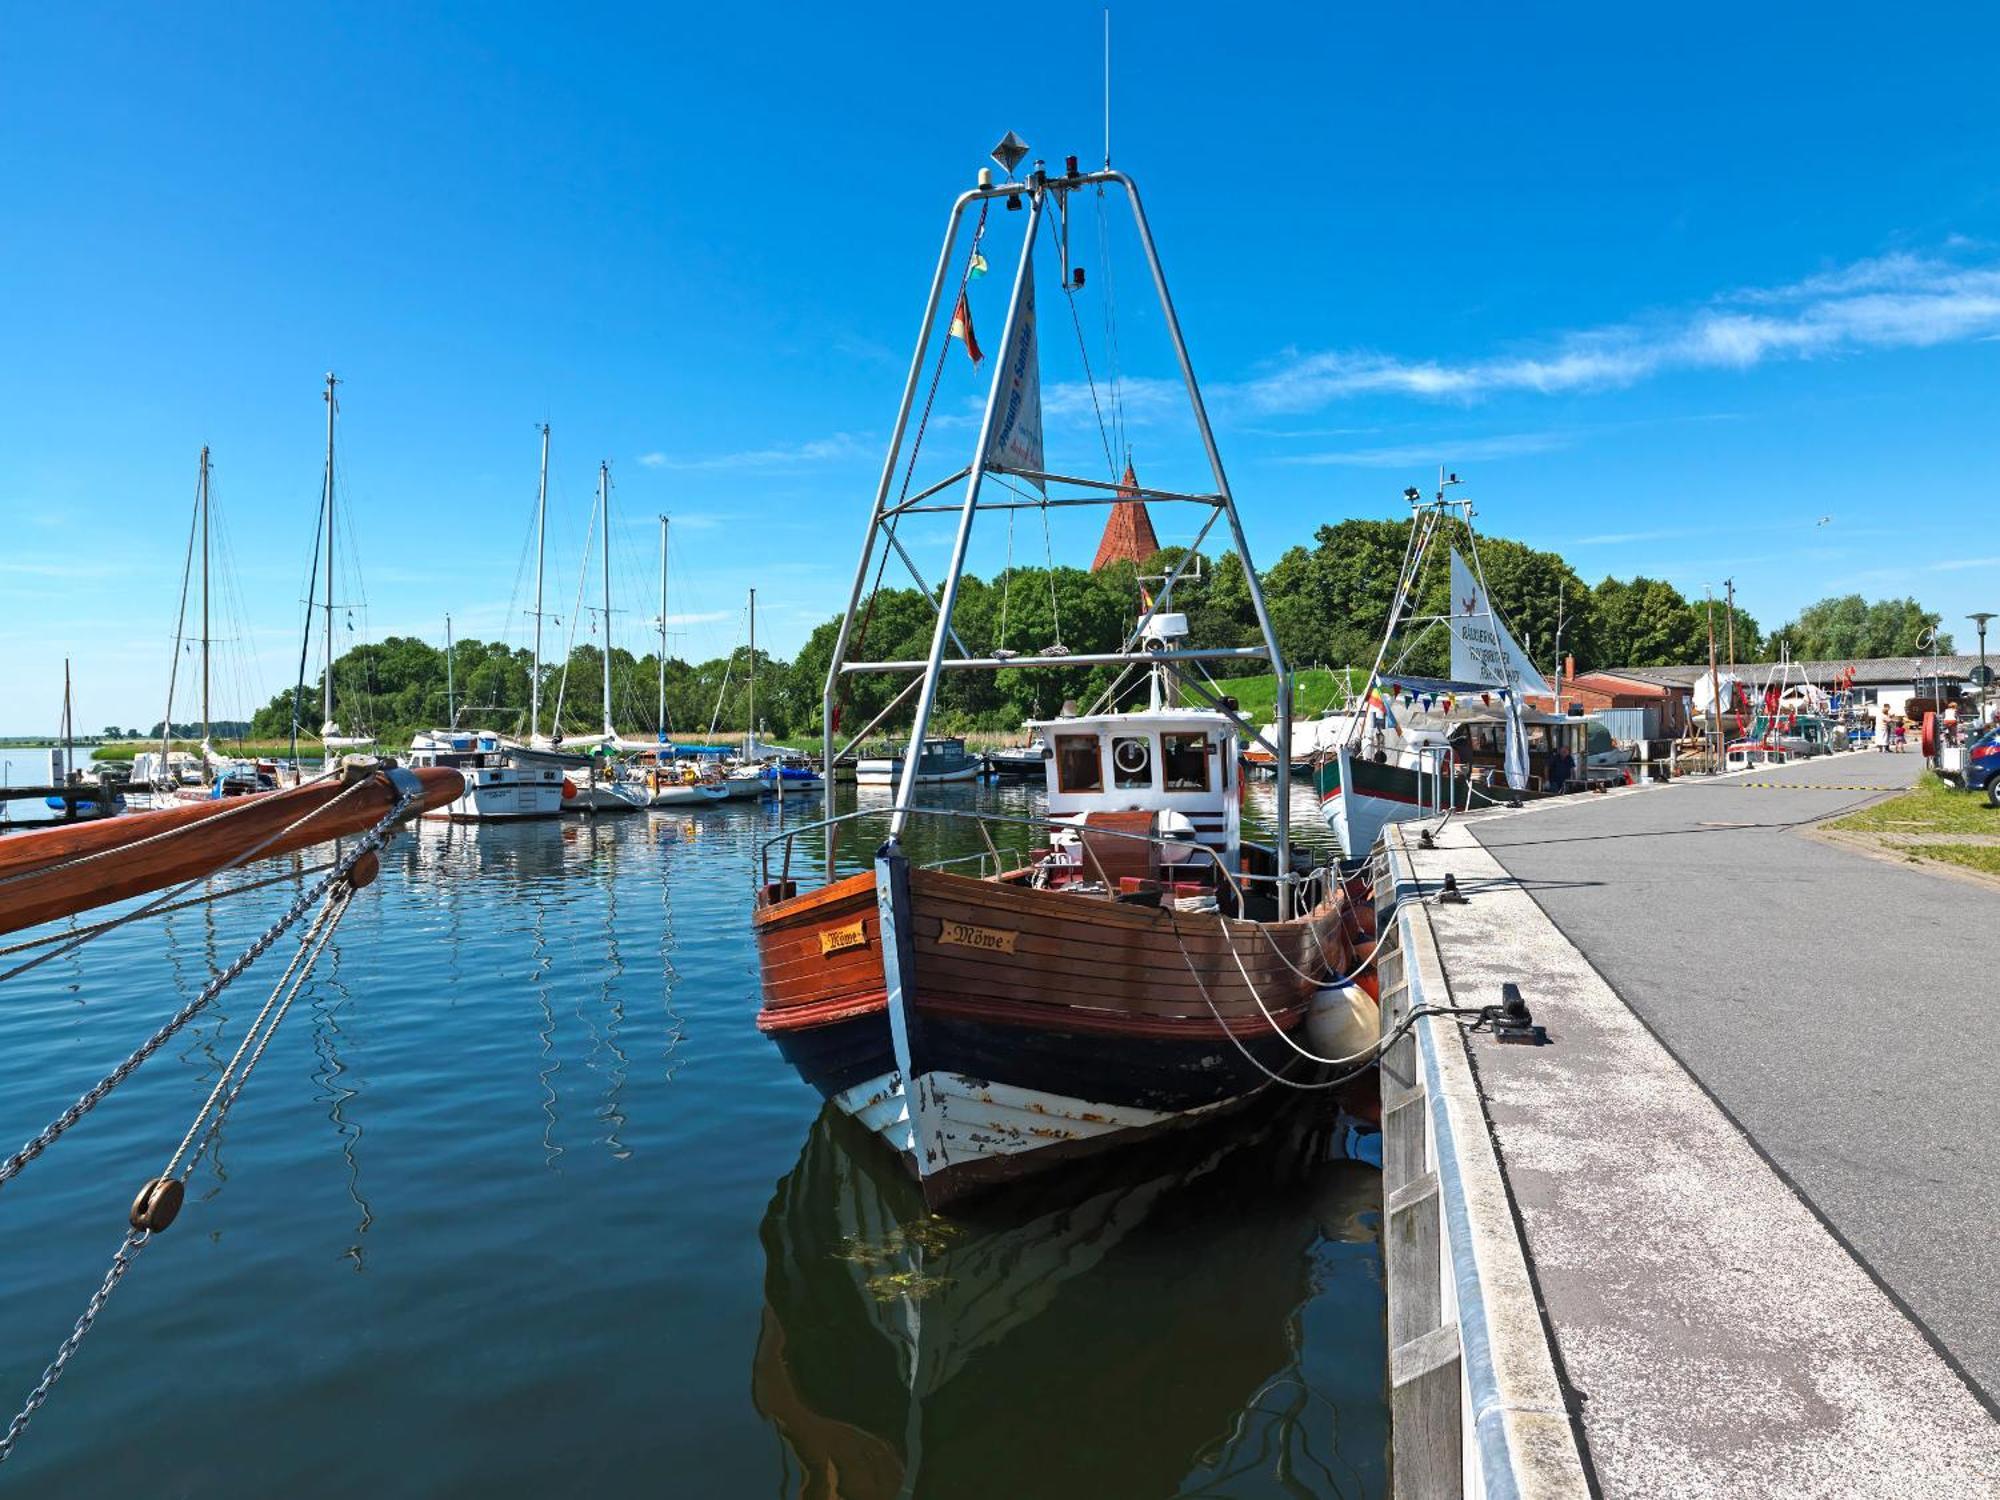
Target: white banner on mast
(1481, 648)
(1016, 444)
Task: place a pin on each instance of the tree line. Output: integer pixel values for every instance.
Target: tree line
(1328, 604)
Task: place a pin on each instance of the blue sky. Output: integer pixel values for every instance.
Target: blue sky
(1667, 288)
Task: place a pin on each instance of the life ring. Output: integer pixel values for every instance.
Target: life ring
(1141, 759)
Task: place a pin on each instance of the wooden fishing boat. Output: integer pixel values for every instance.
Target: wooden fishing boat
(1124, 978)
(59, 871)
(1138, 965)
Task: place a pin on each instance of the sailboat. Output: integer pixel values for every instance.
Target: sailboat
(175, 776)
(496, 789)
(1129, 963)
(1419, 747)
(331, 735)
(603, 785)
(766, 769)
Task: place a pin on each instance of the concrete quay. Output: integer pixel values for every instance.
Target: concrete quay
(1752, 1171)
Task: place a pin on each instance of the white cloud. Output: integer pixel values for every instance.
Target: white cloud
(653, 460)
(1403, 456)
(1888, 302)
(839, 447)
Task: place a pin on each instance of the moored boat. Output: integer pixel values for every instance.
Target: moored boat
(494, 787)
(1017, 762)
(943, 758)
(1130, 964)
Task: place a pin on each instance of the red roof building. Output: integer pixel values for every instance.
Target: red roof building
(1128, 534)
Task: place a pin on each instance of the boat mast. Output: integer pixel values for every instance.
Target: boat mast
(604, 506)
(204, 611)
(663, 630)
(750, 745)
(68, 736)
(541, 546)
(450, 693)
(326, 689)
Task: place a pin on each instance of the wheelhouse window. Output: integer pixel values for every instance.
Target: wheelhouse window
(1184, 762)
(1079, 765)
(1132, 761)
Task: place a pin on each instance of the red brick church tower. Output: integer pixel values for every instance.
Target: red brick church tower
(1128, 533)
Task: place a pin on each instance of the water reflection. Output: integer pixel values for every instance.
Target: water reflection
(330, 995)
(1143, 1333)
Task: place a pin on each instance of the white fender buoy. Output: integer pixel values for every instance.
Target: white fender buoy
(1341, 1021)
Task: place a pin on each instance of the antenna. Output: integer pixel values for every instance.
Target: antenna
(1107, 88)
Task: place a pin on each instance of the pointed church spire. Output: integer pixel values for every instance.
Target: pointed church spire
(1128, 533)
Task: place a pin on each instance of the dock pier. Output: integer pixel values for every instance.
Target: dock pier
(1730, 1228)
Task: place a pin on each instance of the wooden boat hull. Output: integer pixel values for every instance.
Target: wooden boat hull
(39, 881)
(1040, 1026)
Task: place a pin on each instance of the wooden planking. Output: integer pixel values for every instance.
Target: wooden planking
(1070, 984)
(37, 884)
(1412, 1252)
(856, 890)
(1056, 934)
(1425, 1431)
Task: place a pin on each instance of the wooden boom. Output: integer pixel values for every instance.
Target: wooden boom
(41, 879)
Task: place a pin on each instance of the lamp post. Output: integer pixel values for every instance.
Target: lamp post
(1979, 619)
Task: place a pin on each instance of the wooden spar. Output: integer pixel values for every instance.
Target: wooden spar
(40, 880)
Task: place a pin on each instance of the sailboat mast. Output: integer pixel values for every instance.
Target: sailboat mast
(326, 688)
(604, 510)
(541, 548)
(663, 630)
(750, 745)
(68, 736)
(450, 691)
(204, 605)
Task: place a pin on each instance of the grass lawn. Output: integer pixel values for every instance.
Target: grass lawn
(1981, 857)
(126, 750)
(1932, 806)
(1932, 810)
(1313, 689)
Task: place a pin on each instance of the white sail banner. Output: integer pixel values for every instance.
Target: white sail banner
(1481, 648)
(1017, 432)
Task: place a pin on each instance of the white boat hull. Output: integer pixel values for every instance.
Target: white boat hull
(612, 797)
(504, 794)
(889, 772)
(689, 794)
(968, 1123)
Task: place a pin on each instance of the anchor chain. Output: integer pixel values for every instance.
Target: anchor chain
(94, 1095)
(159, 1199)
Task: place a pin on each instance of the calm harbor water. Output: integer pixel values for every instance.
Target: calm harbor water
(520, 1202)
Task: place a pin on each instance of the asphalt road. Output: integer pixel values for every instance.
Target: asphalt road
(1842, 1008)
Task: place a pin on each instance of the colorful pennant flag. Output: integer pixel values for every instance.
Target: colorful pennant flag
(961, 328)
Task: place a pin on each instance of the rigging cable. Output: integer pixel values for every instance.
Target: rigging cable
(923, 423)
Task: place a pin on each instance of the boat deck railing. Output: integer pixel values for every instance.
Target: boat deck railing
(1309, 888)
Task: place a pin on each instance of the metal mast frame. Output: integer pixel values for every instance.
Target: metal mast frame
(1038, 188)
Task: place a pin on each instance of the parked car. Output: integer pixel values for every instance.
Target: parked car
(1982, 765)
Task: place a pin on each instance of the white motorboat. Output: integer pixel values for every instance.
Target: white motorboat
(943, 758)
(495, 788)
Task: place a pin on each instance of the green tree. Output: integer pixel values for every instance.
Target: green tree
(1847, 627)
(1644, 622)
